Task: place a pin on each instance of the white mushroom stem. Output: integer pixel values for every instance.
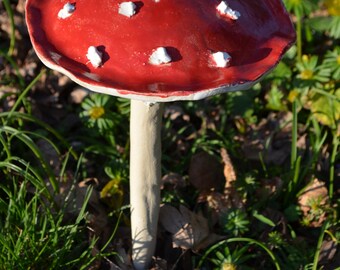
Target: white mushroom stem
(145, 179)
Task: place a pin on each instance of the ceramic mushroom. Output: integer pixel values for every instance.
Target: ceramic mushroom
(155, 51)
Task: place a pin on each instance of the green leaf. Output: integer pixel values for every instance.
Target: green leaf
(326, 109)
(320, 24)
(274, 99)
(335, 27)
(263, 219)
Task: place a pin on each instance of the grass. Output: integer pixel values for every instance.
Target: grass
(281, 138)
(34, 237)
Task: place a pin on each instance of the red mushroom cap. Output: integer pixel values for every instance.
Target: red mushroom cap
(189, 31)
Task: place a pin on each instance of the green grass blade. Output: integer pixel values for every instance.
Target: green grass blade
(20, 172)
(335, 147)
(5, 146)
(11, 19)
(27, 117)
(240, 239)
(35, 150)
(263, 219)
(318, 247)
(294, 136)
(24, 93)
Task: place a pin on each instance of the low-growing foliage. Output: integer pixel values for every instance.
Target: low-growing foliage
(33, 236)
(263, 192)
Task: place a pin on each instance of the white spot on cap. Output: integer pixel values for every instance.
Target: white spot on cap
(127, 9)
(94, 56)
(159, 56)
(225, 10)
(221, 59)
(66, 11)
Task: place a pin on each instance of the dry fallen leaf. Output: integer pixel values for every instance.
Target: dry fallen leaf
(229, 171)
(216, 201)
(216, 204)
(173, 181)
(205, 172)
(327, 251)
(124, 262)
(159, 264)
(232, 197)
(311, 200)
(189, 230)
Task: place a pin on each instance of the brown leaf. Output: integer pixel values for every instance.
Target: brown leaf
(315, 190)
(159, 264)
(190, 230)
(215, 200)
(232, 198)
(179, 225)
(229, 172)
(173, 180)
(315, 195)
(171, 219)
(125, 262)
(205, 172)
(327, 251)
(197, 227)
(216, 204)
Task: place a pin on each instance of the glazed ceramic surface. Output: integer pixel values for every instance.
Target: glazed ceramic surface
(189, 30)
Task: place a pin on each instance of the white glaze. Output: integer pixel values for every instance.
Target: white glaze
(66, 11)
(225, 10)
(159, 56)
(127, 9)
(94, 56)
(145, 179)
(221, 59)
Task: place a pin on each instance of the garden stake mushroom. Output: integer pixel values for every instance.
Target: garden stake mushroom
(155, 51)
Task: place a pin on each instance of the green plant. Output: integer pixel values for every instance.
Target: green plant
(235, 222)
(296, 109)
(239, 254)
(97, 113)
(232, 260)
(34, 235)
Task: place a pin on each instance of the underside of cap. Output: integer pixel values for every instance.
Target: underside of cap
(186, 33)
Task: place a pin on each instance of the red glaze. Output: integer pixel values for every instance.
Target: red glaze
(189, 29)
